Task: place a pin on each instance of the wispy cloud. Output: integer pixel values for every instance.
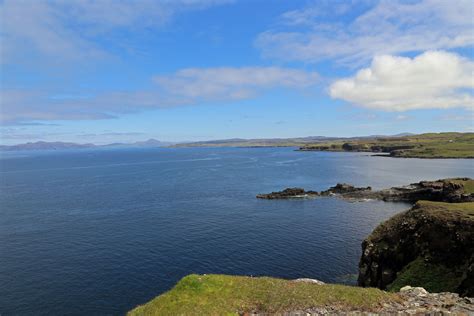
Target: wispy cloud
(232, 83)
(61, 30)
(184, 87)
(432, 80)
(321, 32)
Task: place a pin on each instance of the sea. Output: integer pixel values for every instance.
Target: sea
(100, 231)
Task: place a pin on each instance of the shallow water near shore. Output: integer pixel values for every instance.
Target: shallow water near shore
(101, 231)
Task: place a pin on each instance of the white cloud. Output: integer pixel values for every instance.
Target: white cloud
(232, 83)
(390, 27)
(185, 87)
(402, 117)
(432, 80)
(66, 30)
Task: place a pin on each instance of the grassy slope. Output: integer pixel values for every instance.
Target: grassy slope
(433, 277)
(431, 145)
(443, 211)
(229, 295)
(447, 211)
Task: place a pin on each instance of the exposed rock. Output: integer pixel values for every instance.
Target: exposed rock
(306, 280)
(412, 301)
(289, 193)
(444, 190)
(344, 188)
(390, 149)
(355, 147)
(430, 245)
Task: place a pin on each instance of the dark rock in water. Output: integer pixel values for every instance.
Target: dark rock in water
(343, 188)
(444, 190)
(431, 245)
(288, 193)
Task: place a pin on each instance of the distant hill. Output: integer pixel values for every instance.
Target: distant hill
(42, 145)
(47, 146)
(277, 142)
(147, 143)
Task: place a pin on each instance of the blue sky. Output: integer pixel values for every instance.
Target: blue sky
(105, 71)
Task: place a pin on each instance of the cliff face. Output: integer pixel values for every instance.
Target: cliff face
(431, 245)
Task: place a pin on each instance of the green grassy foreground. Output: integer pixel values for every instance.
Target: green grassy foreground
(431, 145)
(231, 295)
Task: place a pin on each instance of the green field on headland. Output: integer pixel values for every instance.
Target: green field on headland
(234, 295)
(431, 145)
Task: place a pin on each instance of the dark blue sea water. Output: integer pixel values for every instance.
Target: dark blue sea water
(101, 231)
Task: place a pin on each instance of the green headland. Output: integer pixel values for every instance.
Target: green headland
(234, 295)
(431, 145)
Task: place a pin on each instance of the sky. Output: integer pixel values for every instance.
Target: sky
(107, 71)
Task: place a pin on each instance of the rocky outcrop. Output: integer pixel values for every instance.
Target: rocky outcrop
(344, 188)
(418, 301)
(390, 148)
(289, 193)
(411, 301)
(430, 245)
(307, 280)
(355, 147)
(444, 190)
(447, 190)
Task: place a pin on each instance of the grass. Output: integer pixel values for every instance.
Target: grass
(430, 145)
(433, 277)
(467, 184)
(231, 295)
(443, 211)
(448, 210)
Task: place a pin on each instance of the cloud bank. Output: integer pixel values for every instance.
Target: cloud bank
(184, 87)
(432, 80)
(390, 27)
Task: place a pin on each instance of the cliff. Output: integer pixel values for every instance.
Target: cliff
(239, 295)
(431, 245)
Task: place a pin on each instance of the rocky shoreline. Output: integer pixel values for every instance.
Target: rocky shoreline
(419, 262)
(443, 190)
(411, 301)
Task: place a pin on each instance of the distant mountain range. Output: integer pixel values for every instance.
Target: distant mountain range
(233, 142)
(41, 145)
